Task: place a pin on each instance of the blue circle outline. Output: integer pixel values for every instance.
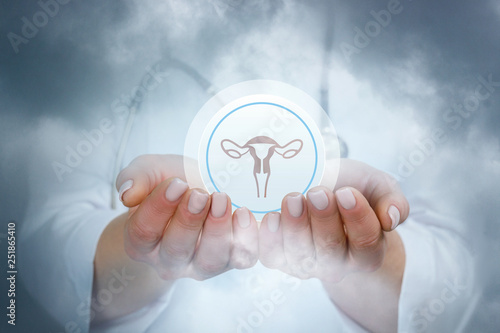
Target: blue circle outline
(262, 103)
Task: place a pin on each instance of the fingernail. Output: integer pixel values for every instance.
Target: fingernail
(395, 216)
(319, 199)
(219, 204)
(273, 222)
(175, 189)
(295, 205)
(243, 217)
(197, 202)
(124, 188)
(346, 198)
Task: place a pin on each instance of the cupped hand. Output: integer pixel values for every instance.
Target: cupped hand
(182, 232)
(334, 233)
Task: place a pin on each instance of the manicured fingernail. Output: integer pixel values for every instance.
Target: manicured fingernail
(273, 222)
(124, 188)
(295, 205)
(219, 204)
(319, 199)
(197, 202)
(175, 189)
(346, 198)
(395, 216)
(243, 217)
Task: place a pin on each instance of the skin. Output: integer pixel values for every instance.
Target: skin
(158, 241)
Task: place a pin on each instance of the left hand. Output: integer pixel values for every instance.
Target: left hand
(332, 234)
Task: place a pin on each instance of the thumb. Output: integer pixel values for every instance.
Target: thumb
(387, 200)
(380, 189)
(144, 173)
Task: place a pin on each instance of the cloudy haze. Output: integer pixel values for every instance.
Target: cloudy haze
(399, 86)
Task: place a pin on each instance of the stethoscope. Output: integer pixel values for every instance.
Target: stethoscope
(168, 62)
(164, 65)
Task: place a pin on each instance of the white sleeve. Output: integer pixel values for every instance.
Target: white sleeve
(439, 290)
(59, 237)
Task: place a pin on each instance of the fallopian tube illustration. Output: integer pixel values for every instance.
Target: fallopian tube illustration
(262, 148)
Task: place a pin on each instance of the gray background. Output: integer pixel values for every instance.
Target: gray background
(90, 52)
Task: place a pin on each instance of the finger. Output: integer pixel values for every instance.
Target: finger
(145, 226)
(297, 236)
(140, 178)
(366, 241)
(245, 251)
(328, 231)
(181, 236)
(213, 253)
(271, 250)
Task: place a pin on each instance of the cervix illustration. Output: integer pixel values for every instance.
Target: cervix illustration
(261, 148)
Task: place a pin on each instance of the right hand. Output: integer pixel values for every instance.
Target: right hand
(166, 219)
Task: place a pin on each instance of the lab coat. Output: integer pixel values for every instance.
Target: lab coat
(66, 219)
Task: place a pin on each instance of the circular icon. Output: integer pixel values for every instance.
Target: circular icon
(258, 148)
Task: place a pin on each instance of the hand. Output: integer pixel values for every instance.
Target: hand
(329, 236)
(166, 220)
(342, 236)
